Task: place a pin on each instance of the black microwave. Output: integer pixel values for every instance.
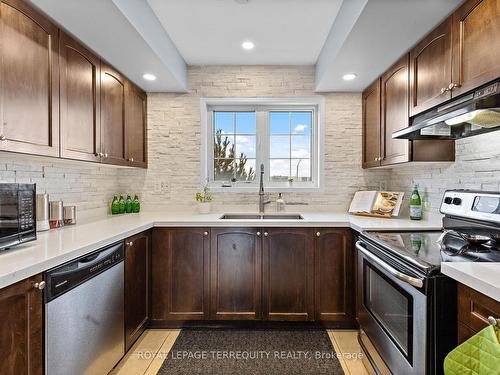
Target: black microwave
(17, 214)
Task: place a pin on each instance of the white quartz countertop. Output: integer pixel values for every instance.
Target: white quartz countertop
(483, 277)
(55, 247)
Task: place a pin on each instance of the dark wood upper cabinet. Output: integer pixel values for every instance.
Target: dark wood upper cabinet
(135, 125)
(112, 116)
(476, 44)
(430, 69)
(137, 285)
(371, 126)
(80, 101)
(21, 342)
(334, 276)
(288, 267)
(236, 273)
(180, 274)
(29, 76)
(395, 96)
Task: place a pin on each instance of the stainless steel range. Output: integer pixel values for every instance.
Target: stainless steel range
(407, 309)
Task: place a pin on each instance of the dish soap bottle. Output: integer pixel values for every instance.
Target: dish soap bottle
(136, 205)
(280, 203)
(415, 205)
(128, 204)
(115, 206)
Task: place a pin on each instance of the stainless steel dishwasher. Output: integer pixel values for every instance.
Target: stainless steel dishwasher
(84, 314)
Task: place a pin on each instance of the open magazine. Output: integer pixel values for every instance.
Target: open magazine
(376, 203)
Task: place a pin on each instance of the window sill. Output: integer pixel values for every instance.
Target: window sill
(254, 188)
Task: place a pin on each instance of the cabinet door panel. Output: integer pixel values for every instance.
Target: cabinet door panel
(29, 80)
(395, 96)
(476, 44)
(112, 116)
(430, 69)
(288, 274)
(334, 270)
(474, 308)
(21, 328)
(236, 263)
(371, 125)
(135, 125)
(180, 262)
(137, 282)
(80, 101)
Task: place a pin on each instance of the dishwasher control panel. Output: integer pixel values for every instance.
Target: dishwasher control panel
(68, 276)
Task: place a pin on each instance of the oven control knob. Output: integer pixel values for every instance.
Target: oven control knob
(448, 200)
(457, 201)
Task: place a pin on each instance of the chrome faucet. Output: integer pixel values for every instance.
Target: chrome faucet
(262, 202)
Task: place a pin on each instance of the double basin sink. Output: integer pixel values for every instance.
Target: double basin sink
(261, 217)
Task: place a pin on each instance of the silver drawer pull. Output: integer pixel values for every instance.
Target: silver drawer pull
(401, 276)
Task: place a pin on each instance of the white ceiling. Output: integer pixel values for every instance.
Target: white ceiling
(209, 32)
(164, 36)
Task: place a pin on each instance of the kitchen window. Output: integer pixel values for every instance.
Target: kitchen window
(283, 134)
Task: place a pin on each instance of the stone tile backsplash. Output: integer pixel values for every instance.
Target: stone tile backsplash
(174, 136)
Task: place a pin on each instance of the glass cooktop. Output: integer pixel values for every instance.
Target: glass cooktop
(429, 249)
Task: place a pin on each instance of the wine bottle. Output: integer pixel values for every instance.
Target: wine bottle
(415, 205)
(128, 204)
(115, 206)
(136, 205)
(122, 204)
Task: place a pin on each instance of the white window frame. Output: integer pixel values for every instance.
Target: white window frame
(262, 106)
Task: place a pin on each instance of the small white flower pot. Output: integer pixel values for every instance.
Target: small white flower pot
(204, 207)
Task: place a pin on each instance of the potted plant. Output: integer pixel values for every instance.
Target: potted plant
(204, 199)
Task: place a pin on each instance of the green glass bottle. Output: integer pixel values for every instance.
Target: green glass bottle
(136, 205)
(415, 205)
(122, 204)
(128, 204)
(115, 206)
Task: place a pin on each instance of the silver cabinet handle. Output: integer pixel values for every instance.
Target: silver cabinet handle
(105, 154)
(444, 89)
(205, 233)
(318, 234)
(129, 243)
(40, 285)
(2, 137)
(131, 160)
(453, 86)
(401, 276)
(258, 234)
(266, 234)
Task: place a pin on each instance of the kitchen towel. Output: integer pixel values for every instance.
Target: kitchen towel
(478, 355)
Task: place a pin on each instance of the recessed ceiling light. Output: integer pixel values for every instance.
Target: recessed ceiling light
(349, 76)
(247, 45)
(149, 76)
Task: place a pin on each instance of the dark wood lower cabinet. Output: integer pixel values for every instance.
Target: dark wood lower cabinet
(21, 328)
(137, 286)
(334, 276)
(288, 290)
(180, 274)
(235, 272)
(275, 274)
(474, 308)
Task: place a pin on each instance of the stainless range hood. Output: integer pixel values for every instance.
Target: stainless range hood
(473, 113)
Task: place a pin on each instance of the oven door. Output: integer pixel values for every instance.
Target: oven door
(392, 313)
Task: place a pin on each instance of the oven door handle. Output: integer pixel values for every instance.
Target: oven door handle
(416, 282)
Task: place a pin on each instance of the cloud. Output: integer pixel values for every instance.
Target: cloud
(300, 153)
(300, 128)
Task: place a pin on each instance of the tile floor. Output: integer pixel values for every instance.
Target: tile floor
(150, 350)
